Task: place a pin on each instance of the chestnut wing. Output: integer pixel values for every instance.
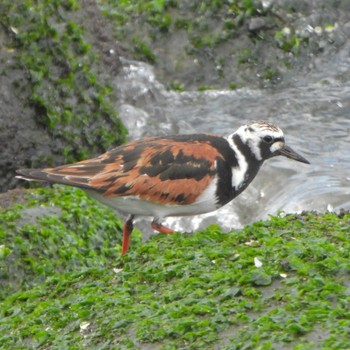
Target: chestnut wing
(174, 170)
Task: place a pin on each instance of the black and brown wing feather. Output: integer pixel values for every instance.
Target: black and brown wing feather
(172, 170)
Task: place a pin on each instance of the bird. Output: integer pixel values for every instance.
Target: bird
(175, 175)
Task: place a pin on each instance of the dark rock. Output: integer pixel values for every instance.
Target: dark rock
(257, 23)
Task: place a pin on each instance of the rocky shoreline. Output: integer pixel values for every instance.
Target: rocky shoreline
(259, 44)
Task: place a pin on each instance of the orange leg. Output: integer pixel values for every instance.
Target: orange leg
(160, 228)
(127, 229)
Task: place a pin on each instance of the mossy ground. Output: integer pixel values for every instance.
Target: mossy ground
(206, 290)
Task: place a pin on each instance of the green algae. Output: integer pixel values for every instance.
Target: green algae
(203, 290)
(202, 27)
(58, 230)
(209, 35)
(61, 77)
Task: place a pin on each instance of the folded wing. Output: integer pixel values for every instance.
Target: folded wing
(161, 170)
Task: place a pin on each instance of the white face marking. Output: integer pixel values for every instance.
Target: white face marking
(251, 139)
(238, 173)
(254, 132)
(276, 146)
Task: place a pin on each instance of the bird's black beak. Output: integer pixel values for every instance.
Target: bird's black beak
(289, 153)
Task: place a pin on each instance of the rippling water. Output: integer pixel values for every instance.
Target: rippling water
(313, 112)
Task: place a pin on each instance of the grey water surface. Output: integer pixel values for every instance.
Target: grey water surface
(313, 111)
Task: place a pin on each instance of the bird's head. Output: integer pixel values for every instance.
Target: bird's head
(265, 140)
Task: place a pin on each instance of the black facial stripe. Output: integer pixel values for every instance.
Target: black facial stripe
(266, 148)
(225, 192)
(253, 167)
(244, 149)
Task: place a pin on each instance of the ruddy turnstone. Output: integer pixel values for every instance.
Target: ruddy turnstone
(176, 175)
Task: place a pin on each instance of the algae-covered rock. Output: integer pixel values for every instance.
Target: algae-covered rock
(57, 104)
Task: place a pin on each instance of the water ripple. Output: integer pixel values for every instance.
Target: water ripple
(314, 114)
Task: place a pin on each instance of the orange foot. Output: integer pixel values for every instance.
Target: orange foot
(160, 228)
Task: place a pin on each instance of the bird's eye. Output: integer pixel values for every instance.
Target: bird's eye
(268, 139)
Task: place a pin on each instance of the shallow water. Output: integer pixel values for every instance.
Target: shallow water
(313, 111)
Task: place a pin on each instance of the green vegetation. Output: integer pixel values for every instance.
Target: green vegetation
(281, 283)
(64, 88)
(169, 15)
(212, 43)
(145, 27)
(58, 230)
(142, 50)
(176, 86)
(205, 88)
(288, 41)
